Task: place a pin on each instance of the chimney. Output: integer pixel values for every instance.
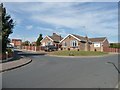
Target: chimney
(54, 34)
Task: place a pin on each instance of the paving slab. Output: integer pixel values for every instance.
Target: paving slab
(14, 64)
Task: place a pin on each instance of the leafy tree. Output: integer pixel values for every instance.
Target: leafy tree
(26, 43)
(114, 45)
(7, 27)
(38, 43)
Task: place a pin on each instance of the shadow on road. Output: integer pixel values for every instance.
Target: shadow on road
(32, 54)
(22, 53)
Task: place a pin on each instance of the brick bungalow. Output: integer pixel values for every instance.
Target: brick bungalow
(51, 40)
(98, 44)
(77, 42)
(72, 41)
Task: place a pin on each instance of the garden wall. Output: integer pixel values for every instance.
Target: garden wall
(33, 48)
(116, 50)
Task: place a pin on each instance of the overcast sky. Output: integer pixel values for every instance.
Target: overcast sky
(95, 19)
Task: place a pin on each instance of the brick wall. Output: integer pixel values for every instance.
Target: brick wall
(33, 48)
(117, 50)
(4, 56)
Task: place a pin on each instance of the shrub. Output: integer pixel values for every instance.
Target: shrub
(10, 52)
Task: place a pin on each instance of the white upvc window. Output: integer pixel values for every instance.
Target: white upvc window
(74, 43)
(96, 44)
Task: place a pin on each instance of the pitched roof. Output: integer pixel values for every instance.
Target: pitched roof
(16, 40)
(55, 37)
(99, 39)
(80, 37)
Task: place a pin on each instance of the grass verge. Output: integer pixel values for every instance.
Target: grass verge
(77, 53)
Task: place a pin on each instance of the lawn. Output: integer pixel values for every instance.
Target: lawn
(77, 53)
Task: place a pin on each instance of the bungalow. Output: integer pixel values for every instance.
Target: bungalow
(51, 40)
(98, 44)
(72, 41)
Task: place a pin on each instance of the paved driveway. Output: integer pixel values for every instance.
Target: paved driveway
(57, 72)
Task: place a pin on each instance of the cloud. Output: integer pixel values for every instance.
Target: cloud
(58, 30)
(70, 17)
(29, 27)
(59, 0)
(94, 19)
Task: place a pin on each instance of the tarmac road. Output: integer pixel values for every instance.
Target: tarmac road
(59, 72)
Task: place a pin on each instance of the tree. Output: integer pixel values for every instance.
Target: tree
(7, 27)
(114, 45)
(26, 43)
(38, 43)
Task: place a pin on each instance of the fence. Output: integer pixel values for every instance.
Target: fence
(33, 48)
(116, 50)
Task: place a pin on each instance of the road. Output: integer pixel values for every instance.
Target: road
(59, 72)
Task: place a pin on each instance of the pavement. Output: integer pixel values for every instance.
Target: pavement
(9, 65)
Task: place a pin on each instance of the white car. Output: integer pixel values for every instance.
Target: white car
(11, 47)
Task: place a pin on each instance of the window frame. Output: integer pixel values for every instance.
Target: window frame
(74, 43)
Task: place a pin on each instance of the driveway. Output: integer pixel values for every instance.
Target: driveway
(59, 72)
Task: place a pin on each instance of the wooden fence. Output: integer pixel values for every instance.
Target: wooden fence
(33, 48)
(116, 50)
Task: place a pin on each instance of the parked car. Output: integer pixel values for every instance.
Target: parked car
(9, 46)
(50, 48)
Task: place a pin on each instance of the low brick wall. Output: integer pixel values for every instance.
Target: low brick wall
(116, 50)
(4, 56)
(33, 48)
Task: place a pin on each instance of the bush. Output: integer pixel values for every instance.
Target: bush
(10, 52)
(114, 45)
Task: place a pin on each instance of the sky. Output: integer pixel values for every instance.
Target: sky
(94, 19)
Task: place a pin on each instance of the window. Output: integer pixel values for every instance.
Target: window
(49, 43)
(74, 43)
(96, 44)
(64, 43)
